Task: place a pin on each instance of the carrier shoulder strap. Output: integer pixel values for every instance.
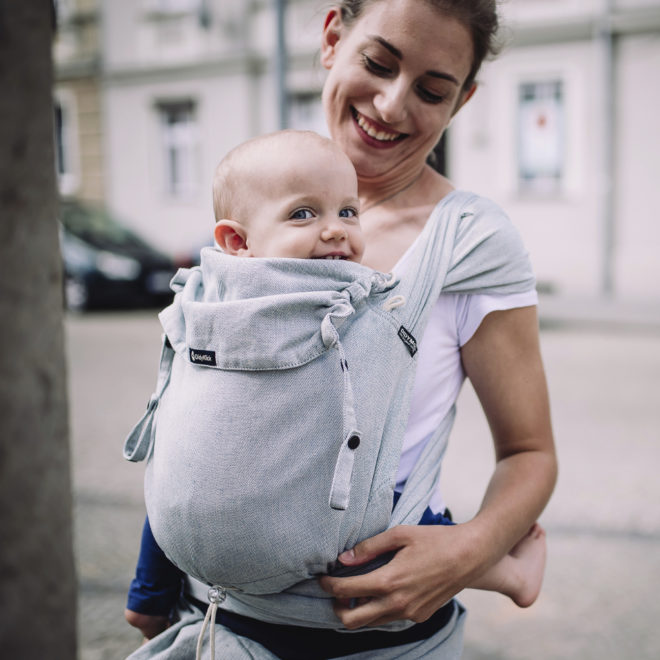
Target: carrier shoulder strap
(468, 245)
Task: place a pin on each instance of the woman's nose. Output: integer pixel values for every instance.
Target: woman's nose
(390, 102)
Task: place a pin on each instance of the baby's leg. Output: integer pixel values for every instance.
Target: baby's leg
(519, 575)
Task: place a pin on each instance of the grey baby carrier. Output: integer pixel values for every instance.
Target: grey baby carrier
(274, 434)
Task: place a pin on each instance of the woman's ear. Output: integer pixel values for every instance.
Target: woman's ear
(331, 34)
(231, 237)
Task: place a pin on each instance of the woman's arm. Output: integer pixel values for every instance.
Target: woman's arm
(434, 563)
(503, 361)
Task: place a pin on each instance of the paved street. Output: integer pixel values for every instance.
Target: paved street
(600, 596)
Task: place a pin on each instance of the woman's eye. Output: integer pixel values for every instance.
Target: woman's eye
(348, 212)
(428, 96)
(301, 214)
(375, 67)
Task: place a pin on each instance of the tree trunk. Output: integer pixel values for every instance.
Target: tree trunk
(37, 579)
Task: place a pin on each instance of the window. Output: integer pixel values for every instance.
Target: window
(179, 137)
(66, 143)
(540, 136)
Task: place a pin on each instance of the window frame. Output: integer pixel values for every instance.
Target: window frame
(66, 142)
(179, 147)
(541, 159)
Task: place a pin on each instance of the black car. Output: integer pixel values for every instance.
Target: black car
(108, 266)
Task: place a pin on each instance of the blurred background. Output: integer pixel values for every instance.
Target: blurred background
(563, 133)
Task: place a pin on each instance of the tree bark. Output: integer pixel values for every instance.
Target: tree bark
(37, 577)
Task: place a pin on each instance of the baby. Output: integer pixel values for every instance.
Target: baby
(294, 194)
(289, 194)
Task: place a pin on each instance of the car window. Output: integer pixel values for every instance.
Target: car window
(96, 226)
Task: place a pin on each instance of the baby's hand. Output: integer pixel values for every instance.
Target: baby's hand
(147, 624)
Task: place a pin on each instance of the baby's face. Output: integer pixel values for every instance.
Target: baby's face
(306, 206)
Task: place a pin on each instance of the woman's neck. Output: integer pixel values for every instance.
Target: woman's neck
(397, 220)
(423, 187)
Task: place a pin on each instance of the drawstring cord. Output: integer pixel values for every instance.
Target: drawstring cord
(217, 595)
(394, 302)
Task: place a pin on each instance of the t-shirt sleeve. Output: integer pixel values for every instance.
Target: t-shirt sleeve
(472, 309)
(488, 255)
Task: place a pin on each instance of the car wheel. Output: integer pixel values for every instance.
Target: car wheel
(76, 294)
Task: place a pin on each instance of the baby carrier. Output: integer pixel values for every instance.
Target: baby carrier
(274, 433)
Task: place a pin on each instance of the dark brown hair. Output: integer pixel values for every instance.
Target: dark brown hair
(478, 16)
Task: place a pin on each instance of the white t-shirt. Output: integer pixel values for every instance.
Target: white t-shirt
(440, 375)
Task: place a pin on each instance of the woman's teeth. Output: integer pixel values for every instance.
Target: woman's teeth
(372, 132)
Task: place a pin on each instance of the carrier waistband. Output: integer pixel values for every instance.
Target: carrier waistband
(301, 643)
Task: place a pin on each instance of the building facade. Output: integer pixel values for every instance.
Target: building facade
(561, 132)
(77, 100)
(184, 81)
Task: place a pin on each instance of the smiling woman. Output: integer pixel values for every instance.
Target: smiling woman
(385, 91)
(398, 71)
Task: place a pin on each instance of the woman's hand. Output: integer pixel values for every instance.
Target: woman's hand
(432, 564)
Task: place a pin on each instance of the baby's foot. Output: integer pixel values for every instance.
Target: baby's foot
(528, 566)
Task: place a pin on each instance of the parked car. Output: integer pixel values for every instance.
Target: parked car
(108, 266)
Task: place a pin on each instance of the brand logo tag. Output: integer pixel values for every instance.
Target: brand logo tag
(408, 340)
(198, 356)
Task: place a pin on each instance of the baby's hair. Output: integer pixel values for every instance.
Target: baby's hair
(229, 181)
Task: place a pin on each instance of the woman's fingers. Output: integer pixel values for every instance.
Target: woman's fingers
(377, 582)
(363, 615)
(426, 572)
(369, 549)
(396, 605)
(370, 585)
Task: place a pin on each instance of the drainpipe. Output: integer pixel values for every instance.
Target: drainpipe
(605, 42)
(280, 65)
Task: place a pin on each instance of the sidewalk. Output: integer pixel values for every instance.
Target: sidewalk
(598, 313)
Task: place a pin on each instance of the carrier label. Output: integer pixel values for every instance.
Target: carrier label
(408, 340)
(198, 356)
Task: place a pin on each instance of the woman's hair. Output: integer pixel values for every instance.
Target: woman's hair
(478, 16)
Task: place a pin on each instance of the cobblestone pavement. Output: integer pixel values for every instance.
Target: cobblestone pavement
(599, 599)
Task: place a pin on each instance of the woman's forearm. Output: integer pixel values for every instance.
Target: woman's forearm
(517, 493)
(504, 363)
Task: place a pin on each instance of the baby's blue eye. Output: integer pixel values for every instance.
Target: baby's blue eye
(348, 212)
(301, 214)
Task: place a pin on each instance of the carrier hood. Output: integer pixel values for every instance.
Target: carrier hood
(253, 314)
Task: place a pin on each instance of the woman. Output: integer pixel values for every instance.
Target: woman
(398, 72)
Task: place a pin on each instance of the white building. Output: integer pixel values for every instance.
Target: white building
(564, 134)
(562, 131)
(77, 100)
(185, 81)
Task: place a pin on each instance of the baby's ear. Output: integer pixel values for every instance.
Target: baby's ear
(231, 237)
